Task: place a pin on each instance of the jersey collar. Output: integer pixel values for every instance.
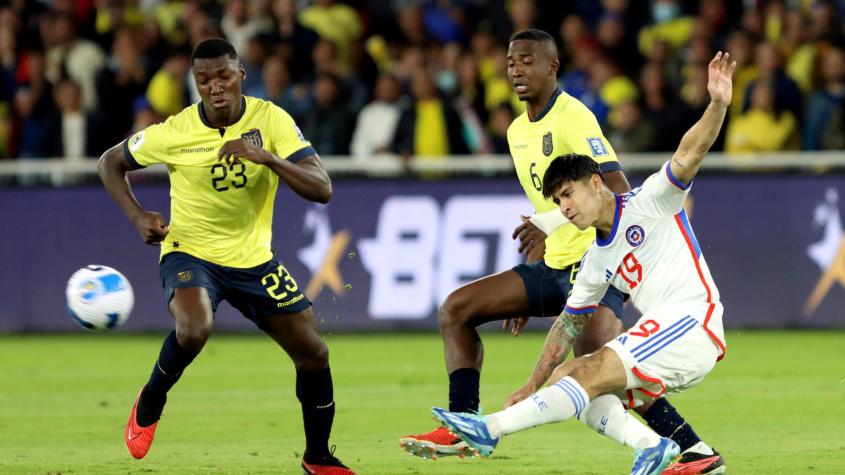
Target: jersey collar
(617, 216)
(549, 106)
(205, 120)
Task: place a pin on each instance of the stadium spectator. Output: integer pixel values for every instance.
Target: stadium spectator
(470, 88)
(826, 102)
(334, 21)
(82, 59)
(124, 78)
(239, 26)
(628, 132)
(143, 115)
(8, 64)
(70, 133)
(166, 91)
(113, 47)
(293, 40)
(429, 126)
(328, 123)
(377, 120)
(500, 120)
(770, 68)
(764, 127)
(276, 87)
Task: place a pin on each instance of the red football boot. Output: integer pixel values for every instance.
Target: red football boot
(138, 439)
(695, 463)
(326, 465)
(437, 443)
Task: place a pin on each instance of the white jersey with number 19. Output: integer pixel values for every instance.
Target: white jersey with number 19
(652, 254)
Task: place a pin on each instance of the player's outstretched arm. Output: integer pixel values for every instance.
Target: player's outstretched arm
(700, 137)
(558, 343)
(112, 168)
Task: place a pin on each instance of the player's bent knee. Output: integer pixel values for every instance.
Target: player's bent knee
(457, 310)
(600, 373)
(315, 358)
(192, 336)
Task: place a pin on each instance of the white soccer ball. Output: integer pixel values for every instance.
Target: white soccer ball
(99, 297)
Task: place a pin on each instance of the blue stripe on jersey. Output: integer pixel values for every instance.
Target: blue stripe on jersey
(610, 167)
(548, 107)
(678, 333)
(127, 155)
(301, 153)
(688, 230)
(661, 333)
(675, 180)
(617, 216)
(579, 310)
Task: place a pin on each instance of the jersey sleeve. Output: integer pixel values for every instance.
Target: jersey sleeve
(147, 147)
(584, 136)
(660, 195)
(593, 279)
(288, 141)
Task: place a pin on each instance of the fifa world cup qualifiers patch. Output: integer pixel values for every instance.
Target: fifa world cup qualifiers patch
(253, 137)
(597, 146)
(548, 145)
(299, 134)
(136, 141)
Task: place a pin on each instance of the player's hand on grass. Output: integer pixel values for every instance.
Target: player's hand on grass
(518, 323)
(151, 226)
(719, 73)
(520, 394)
(235, 150)
(531, 238)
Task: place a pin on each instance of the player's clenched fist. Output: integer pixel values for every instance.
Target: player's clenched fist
(233, 150)
(151, 226)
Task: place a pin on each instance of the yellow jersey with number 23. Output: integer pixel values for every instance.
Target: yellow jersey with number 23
(565, 126)
(220, 213)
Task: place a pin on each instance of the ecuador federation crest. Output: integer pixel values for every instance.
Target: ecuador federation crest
(253, 137)
(547, 144)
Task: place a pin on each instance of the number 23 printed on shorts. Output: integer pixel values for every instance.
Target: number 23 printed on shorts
(279, 283)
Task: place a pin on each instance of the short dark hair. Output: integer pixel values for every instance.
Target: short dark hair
(537, 36)
(566, 168)
(213, 48)
(533, 34)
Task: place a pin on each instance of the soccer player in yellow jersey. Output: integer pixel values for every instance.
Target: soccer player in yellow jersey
(225, 157)
(554, 124)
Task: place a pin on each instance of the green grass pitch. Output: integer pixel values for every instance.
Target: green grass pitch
(775, 405)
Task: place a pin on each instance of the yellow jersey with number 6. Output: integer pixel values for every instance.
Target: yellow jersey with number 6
(565, 126)
(219, 213)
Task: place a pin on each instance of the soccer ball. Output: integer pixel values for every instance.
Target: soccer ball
(99, 297)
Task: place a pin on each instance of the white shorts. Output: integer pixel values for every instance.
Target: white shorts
(669, 350)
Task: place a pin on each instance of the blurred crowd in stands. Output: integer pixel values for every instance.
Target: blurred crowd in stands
(421, 78)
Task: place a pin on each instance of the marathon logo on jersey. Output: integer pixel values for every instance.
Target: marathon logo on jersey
(185, 276)
(635, 235)
(254, 137)
(548, 145)
(597, 146)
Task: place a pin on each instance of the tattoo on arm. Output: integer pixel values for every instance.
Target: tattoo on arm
(559, 341)
(678, 162)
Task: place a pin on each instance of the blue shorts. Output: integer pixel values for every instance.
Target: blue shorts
(257, 292)
(548, 288)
